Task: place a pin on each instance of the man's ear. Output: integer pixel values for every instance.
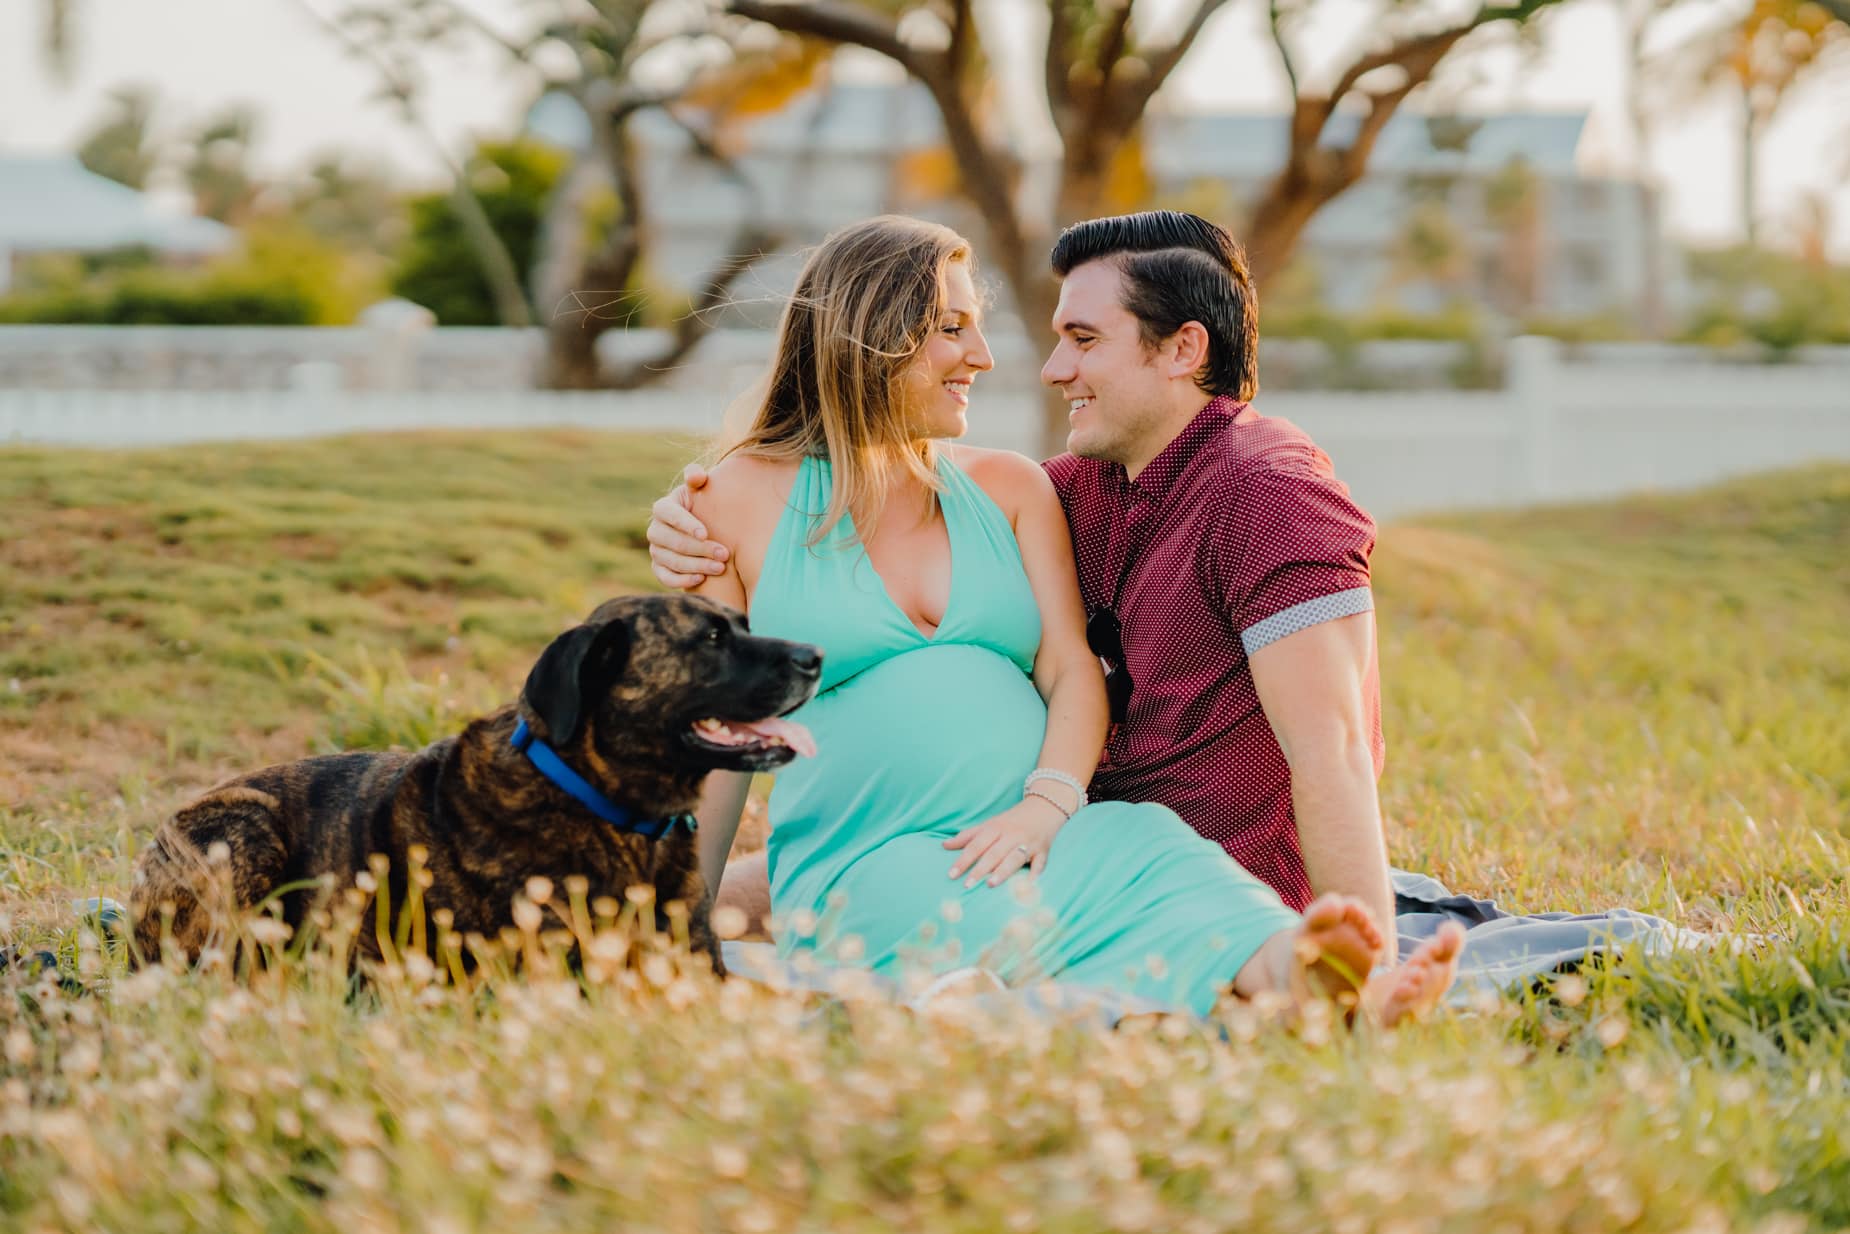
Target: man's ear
(1188, 349)
(576, 668)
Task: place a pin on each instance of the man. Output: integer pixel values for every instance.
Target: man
(1223, 566)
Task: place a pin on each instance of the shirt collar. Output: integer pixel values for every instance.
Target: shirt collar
(1155, 481)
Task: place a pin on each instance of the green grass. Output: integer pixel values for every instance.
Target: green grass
(1644, 703)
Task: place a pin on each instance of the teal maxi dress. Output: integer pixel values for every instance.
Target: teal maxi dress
(921, 737)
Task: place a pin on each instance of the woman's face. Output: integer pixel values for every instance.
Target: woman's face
(935, 390)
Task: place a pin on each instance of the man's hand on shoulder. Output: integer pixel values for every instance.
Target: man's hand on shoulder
(679, 552)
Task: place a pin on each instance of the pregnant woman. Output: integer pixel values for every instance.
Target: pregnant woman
(960, 712)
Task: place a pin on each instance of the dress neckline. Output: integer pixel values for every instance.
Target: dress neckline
(942, 465)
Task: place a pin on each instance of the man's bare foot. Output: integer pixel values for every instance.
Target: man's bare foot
(1415, 987)
(1326, 958)
(1333, 952)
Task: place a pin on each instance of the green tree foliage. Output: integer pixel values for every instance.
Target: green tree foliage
(218, 166)
(122, 148)
(439, 270)
(349, 203)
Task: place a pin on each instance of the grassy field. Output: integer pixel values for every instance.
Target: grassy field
(1645, 703)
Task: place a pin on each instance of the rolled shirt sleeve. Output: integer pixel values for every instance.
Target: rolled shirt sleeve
(1293, 552)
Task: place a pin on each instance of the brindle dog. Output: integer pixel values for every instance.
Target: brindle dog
(642, 701)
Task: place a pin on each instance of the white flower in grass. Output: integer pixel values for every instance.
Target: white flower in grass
(729, 921)
(82, 1060)
(20, 1048)
(269, 931)
(730, 1160)
(364, 1168)
(527, 915)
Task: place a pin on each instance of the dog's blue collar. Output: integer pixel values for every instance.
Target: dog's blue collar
(550, 765)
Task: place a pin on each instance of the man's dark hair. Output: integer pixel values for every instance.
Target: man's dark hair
(1178, 268)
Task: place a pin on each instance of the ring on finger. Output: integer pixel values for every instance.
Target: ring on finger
(1023, 850)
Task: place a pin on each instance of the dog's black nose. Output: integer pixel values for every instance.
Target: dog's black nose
(807, 659)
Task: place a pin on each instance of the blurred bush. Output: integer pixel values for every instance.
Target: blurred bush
(1748, 296)
(1458, 322)
(163, 296)
(1608, 327)
(281, 274)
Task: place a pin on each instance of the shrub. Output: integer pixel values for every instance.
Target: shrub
(280, 275)
(1747, 296)
(160, 296)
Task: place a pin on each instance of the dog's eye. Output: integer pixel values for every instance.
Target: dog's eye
(714, 634)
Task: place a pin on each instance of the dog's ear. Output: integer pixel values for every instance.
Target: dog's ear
(580, 664)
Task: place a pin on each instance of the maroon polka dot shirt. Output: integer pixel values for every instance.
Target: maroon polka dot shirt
(1236, 535)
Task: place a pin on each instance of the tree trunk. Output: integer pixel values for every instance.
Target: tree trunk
(1278, 223)
(1750, 134)
(1036, 303)
(571, 353)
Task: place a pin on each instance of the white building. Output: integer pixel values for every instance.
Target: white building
(1501, 198)
(52, 204)
(1524, 230)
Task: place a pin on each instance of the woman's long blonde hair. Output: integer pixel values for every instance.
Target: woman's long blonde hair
(867, 301)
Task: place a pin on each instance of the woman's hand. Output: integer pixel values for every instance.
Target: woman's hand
(1019, 836)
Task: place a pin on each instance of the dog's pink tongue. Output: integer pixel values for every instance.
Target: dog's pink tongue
(791, 734)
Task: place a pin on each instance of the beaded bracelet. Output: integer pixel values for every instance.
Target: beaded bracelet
(1035, 792)
(1058, 777)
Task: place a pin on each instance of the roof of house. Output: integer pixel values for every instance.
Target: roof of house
(1235, 144)
(846, 118)
(872, 118)
(51, 202)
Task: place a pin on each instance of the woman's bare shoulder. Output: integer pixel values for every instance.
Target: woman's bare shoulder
(1013, 481)
(741, 487)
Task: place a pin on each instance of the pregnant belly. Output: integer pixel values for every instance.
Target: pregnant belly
(928, 741)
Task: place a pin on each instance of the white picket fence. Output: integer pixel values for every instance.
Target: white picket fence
(1595, 422)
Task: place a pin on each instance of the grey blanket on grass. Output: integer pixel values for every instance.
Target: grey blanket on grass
(1503, 952)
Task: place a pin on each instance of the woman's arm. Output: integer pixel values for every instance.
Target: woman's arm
(722, 804)
(1066, 672)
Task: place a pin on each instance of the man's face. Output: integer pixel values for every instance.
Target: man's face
(1112, 387)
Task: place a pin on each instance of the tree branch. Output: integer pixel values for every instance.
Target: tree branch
(989, 175)
(838, 22)
(1110, 51)
(498, 267)
(1840, 9)
(474, 21)
(1420, 47)
(1111, 47)
(1163, 62)
(963, 25)
(1059, 90)
(1275, 20)
(750, 245)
